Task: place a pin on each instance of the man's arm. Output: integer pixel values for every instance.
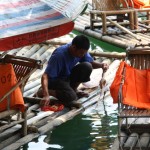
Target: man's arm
(96, 65)
(44, 82)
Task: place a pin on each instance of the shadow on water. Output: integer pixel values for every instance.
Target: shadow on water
(73, 135)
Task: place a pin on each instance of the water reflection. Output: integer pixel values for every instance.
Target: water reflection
(73, 135)
(93, 130)
(104, 125)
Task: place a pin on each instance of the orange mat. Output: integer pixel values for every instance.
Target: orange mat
(136, 87)
(7, 81)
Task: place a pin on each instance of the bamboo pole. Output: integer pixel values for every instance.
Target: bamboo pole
(33, 50)
(124, 29)
(8, 133)
(108, 54)
(55, 42)
(40, 51)
(50, 118)
(41, 115)
(127, 38)
(23, 51)
(36, 75)
(14, 52)
(144, 37)
(10, 125)
(32, 91)
(21, 141)
(46, 55)
(117, 42)
(32, 85)
(10, 140)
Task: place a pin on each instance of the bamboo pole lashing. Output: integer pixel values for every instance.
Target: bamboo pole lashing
(124, 29)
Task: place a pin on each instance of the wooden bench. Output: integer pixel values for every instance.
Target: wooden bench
(130, 117)
(23, 68)
(104, 8)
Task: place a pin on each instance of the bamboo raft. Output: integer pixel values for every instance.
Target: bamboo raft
(117, 33)
(39, 122)
(137, 138)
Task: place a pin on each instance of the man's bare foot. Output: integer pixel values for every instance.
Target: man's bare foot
(75, 104)
(72, 104)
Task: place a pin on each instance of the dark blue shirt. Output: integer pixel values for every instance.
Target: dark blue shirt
(61, 62)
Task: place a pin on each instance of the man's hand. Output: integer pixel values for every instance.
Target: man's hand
(105, 66)
(45, 101)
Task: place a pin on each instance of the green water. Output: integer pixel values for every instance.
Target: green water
(95, 129)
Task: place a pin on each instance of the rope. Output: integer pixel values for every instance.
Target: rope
(102, 92)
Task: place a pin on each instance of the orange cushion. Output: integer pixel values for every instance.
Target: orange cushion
(136, 87)
(7, 81)
(139, 3)
(148, 83)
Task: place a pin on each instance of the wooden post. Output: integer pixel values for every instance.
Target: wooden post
(135, 19)
(91, 21)
(131, 19)
(104, 23)
(24, 124)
